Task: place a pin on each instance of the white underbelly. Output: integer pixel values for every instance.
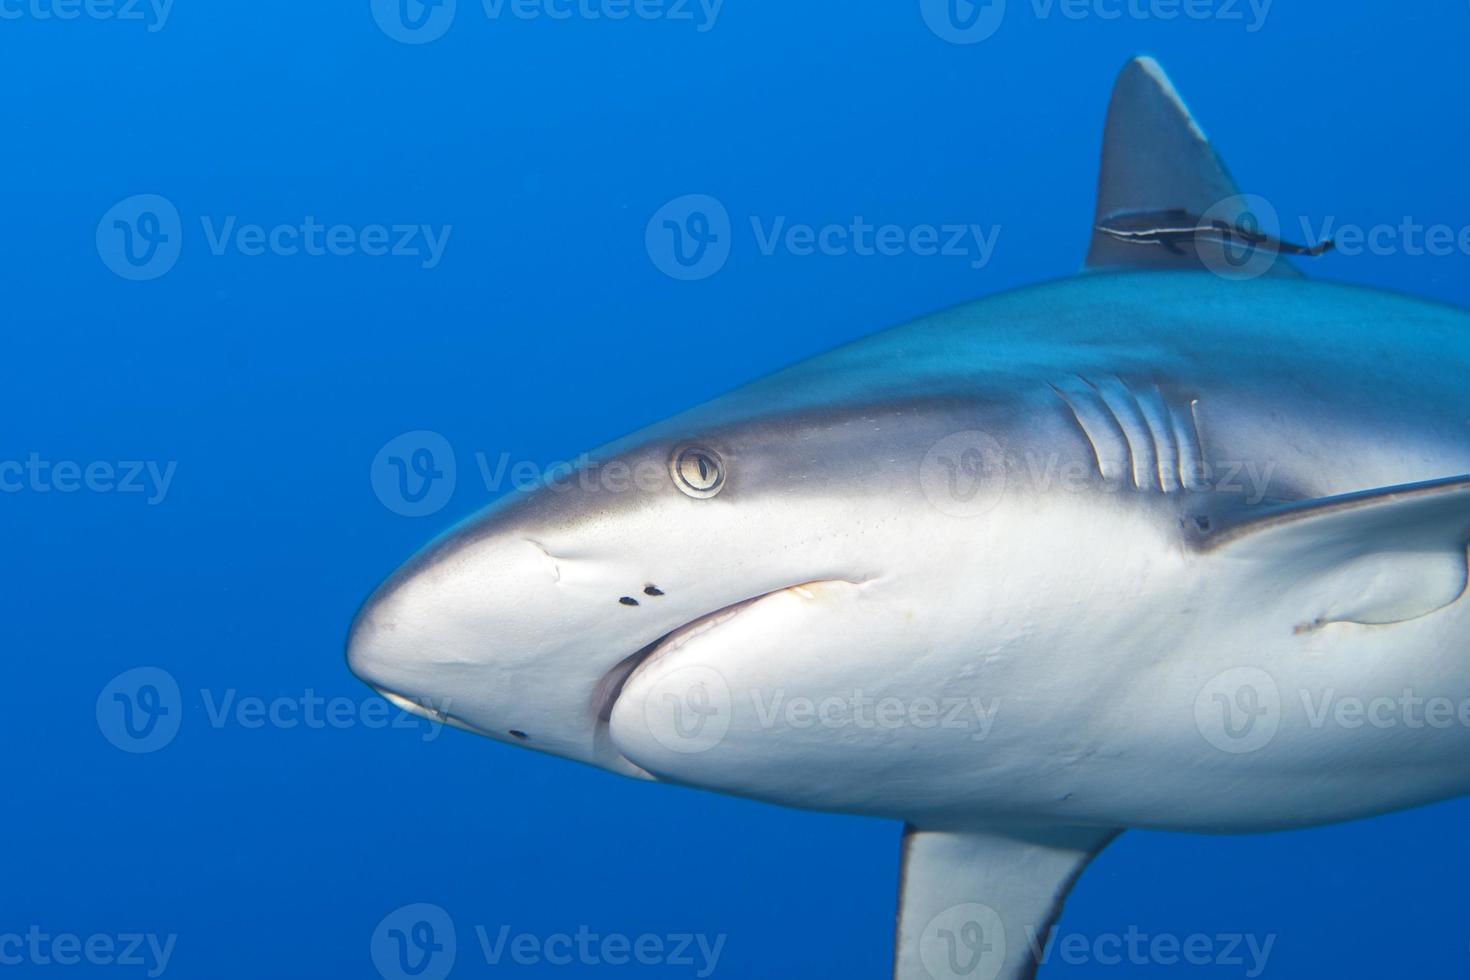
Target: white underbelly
(1165, 690)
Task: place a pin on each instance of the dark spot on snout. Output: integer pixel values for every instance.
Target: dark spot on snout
(652, 590)
(1202, 523)
(517, 733)
(628, 600)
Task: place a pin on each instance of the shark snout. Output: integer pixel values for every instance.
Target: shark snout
(492, 632)
(451, 626)
(376, 654)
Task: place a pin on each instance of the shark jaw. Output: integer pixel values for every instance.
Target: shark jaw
(612, 684)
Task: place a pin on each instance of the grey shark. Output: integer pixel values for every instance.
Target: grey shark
(1108, 552)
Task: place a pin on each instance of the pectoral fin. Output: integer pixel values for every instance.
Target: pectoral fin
(978, 905)
(1377, 557)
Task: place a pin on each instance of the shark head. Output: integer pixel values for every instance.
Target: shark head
(809, 590)
(774, 525)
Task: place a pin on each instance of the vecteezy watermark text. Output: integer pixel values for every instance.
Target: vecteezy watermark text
(702, 14)
(424, 21)
(1251, 14)
(310, 237)
(37, 947)
(861, 238)
(420, 941)
(36, 474)
(1135, 948)
(691, 238)
(691, 710)
(141, 711)
(415, 474)
(1242, 710)
(968, 474)
(141, 238)
(151, 13)
(777, 710)
(1409, 237)
(971, 940)
(1408, 710)
(584, 947)
(973, 21)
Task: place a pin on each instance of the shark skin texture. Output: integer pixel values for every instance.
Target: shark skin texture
(1084, 556)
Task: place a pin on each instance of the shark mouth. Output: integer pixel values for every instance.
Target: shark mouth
(611, 687)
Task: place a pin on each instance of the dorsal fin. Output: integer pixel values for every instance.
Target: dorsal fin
(1159, 170)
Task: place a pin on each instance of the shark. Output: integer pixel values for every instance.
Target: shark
(1176, 543)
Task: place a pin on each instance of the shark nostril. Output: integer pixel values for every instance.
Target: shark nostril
(628, 600)
(516, 733)
(652, 590)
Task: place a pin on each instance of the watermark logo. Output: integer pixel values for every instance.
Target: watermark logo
(967, 474)
(698, 952)
(311, 711)
(964, 474)
(1239, 711)
(972, 21)
(35, 947)
(963, 21)
(310, 237)
(416, 942)
(1135, 948)
(701, 13)
(1408, 710)
(582, 473)
(36, 474)
(689, 710)
(1409, 237)
(1242, 239)
(862, 238)
(689, 238)
(414, 474)
(152, 13)
(864, 712)
(140, 237)
(140, 710)
(964, 942)
(422, 21)
(414, 21)
(1250, 251)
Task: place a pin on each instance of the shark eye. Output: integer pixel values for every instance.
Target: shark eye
(697, 471)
